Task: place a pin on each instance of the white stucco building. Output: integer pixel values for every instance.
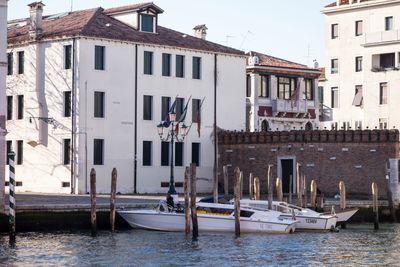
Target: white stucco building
(86, 89)
(3, 71)
(281, 95)
(363, 61)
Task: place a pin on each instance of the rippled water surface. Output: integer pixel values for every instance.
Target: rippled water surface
(357, 245)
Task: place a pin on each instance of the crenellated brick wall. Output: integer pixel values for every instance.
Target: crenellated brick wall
(357, 157)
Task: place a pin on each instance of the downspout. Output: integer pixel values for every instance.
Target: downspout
(135, 130)
(215, 169)
(73, 117)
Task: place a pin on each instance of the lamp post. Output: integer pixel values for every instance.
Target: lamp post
(172, 135)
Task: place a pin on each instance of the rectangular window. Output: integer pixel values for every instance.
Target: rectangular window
(359, 27)
(10, 63)
(99, 104)
(388, 23)
(148, 63)
(178, 154)
(147, 107)
(334, 31)
(309, 90)
(165, 153)
(383, 93)
(147, 23)
(196, 74)
(321, 94)
(285, 87)
(195, 110)
(20, 152)
(98, 151)
(387, 60)
(334, 66)
(99, 57)
(8, 151)
(248, 86)
(358, 96)
(334, 97)
(21, 62)
(196, 154)
(67, 104)
(20, 107)
(67, 57)
(166, 64)
(264, 87)
(180, 102)
(165, 103)
(383, 123)
(359, 61)
(67, 151)
(147, 151)
(9, 107)
(180, 66)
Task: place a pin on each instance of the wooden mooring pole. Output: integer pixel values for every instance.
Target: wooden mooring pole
(241, 185)
(237, 201)
(93, 220)
(186, 196)
(251, 186)
(375, 205)
(290, 188)
(257, 188)
(226, 181)
(313, 199)
(342, 191)
(304, 191)
(193, 210)
(12, 205)
(112, 198)
(298, 185)
(279, 192)
(270, 187)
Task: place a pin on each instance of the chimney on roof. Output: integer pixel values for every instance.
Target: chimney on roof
(337, 2)
(36, 14)
(200, 31)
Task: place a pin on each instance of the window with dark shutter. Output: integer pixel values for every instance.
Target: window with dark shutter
(10, 63)
(147, 145)
(67, 57)
(99, 104)
(166, 64)
(147, 23)
(165, 153)
(20, 152)
(99, 57)
(264, 87)
(180, 66)
(67, 151)
(147, 107)
(196, 154)
(195, 110)
(148, 63)
(21, 62)
(67, 104)
(178, 154)
(179, 107)
(248, 86)
(98, 151)
(9, 107)
(20, 110)
(196, 68)
(165, 102)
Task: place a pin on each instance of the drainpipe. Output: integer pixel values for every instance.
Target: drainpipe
(215, 169)
(73, 118)
(135, 130)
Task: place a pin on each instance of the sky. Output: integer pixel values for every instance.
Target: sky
(289, 29)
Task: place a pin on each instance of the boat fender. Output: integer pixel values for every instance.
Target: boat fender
(334, 229)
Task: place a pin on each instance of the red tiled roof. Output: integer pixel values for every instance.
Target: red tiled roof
(134, 7)
(266, 60)
(322, 75)
(345, 2)
(95, 23)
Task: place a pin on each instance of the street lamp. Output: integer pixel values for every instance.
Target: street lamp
(169, 132)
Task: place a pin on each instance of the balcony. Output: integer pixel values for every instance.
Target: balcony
(384, 37)
(283, 105)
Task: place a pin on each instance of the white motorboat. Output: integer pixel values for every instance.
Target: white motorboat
(307, 219)
(211, 217)
(344, 216)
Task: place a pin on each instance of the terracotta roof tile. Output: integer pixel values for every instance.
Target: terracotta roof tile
(345, 2)
(270, 61)
(322, 75)
(133, 7)
(95, 23)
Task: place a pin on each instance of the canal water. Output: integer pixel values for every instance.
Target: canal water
(355, 246)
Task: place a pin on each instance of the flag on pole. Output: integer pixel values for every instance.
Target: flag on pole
(295, 95)
(167, 121)
(183, 115)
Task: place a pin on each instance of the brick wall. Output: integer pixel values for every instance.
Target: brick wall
(356, 157)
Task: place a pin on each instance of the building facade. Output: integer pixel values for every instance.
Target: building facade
(3, 71)
(87, 89)
(362, 72)
(280, 95)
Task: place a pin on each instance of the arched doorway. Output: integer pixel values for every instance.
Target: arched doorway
(309, 126)
(264, 126)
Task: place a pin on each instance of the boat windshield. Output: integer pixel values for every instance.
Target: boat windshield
(214, 211)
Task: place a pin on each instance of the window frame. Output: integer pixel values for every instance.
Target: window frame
(67, 101)
(359, 63)
(196, 110)
(99, 111)
(334, 35)
(147, 153)
(10, 63)
(10, 107)
(333, 69)
(99, 57)
(196, 157)
(165, 105)
(264, 90)
(20, 107)
(336, 91)
(98, 159)
(196, 68)
(165, 154)
(148, 62)
(309, 92)
(180, 66)
(359, 31)
(179, 154)
(166, 65)
(389, 22)
(147, 107)
(21, 62)
(66, 151)
(287, 89)
(383, 94)
(145, 28)
(20, 153)
(67, 57)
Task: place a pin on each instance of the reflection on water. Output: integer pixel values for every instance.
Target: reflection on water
(357, 245)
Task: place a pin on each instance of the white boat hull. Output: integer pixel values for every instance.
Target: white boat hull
(165, 221)
(313, 223)
(344, 216)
